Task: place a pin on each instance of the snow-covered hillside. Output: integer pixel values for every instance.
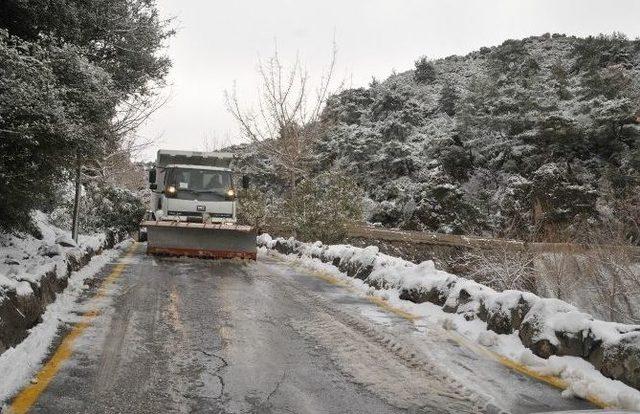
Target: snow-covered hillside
(535, 136)
(539, 131)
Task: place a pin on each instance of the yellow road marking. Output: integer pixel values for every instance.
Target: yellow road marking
(174, 312)
(23, 402)
(225, 331)
(390, 308)
(373, 299)
(329, 279)
(523, 369)
(463, 341)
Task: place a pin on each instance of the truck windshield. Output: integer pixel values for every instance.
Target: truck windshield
(199, 180)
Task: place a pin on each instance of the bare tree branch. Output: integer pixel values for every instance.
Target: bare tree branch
(283, 128)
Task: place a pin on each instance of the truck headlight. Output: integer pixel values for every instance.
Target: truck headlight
(171, 191)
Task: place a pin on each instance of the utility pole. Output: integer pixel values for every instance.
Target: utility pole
(76, 201)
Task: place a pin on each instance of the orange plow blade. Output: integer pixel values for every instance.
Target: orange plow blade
(205, 240)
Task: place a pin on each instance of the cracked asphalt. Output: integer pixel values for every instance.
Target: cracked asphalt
(179, 335)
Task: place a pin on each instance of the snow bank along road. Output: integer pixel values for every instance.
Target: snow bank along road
(189, 335)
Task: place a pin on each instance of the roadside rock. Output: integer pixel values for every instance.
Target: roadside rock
(363, 272)
(542, 347)
(454, 301)
(465, 297)
(521, 308)
(416, 295)
(505, 311)
(499, 321)
(19, 313)
(620, 360)
(580, 343)
(50, 250)
(554, 327)
(65, 241)
(284, 247)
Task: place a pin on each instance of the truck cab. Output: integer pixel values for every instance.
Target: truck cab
(193, 186)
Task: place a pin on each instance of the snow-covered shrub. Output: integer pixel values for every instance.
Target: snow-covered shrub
(558, 275)
(502, 269)
(611, 276)
(448, 98)
(321, 208)
(257, 208)
(444, 208)
(101, 207)
(387, 213)
(557, 200)
(456, 160)
(115, 207)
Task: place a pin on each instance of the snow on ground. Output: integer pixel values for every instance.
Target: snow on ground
(20, 363)
(25, 258)
(581, 377)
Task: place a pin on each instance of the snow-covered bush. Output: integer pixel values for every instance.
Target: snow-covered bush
(502, 269)
(115, 207)
(101, 207)
(558, 275)
(611, 276)
(321, 208)
(256, 208)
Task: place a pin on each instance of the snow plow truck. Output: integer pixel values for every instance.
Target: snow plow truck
(193, 208)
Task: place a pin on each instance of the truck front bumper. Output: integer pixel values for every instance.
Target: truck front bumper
(206, 240)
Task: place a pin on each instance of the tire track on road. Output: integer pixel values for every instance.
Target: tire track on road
(394, 370)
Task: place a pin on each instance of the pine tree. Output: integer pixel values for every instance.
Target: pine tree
(448, 99)
(425, 70)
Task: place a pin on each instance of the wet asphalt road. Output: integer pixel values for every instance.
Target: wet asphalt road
(199, 336)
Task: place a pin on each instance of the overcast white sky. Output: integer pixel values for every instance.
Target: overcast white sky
(218, 43)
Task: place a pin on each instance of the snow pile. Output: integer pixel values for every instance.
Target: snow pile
(33, 271)
(545, 333)
(25, 258)
(18, 364)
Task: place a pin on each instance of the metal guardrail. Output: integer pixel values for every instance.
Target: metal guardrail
(476, 242)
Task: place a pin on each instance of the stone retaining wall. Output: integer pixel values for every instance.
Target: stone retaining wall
(546, 326)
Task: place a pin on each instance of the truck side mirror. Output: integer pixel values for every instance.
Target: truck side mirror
(152, 179)
(245, 182)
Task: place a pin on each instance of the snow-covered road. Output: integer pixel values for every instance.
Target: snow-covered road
(187, 335)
